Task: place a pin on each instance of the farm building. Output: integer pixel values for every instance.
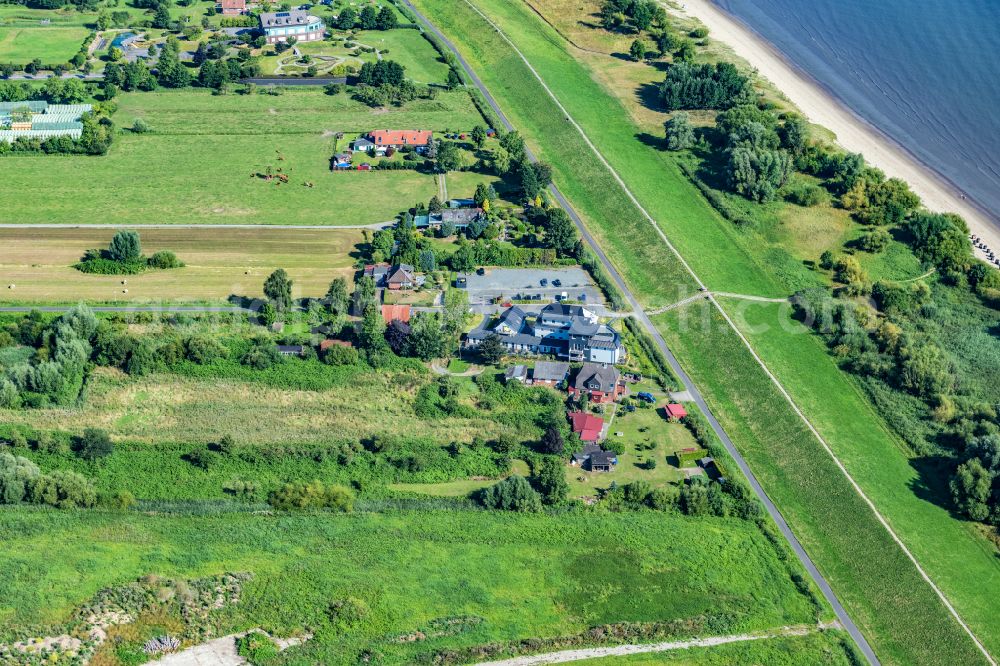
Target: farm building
(399, 138)
(279, 26)
(40, 120)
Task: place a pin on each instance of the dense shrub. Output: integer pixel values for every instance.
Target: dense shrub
(718, 86)
(313, 495)
(512, 494)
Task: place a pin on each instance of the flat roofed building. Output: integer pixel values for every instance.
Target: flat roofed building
(279, 26)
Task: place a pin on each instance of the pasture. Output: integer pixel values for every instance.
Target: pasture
(52, 44)
(881, 589)
(219, 263)
(204, 160)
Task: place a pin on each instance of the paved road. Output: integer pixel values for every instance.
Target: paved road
(310, 227)
(688, 385)
(296, 81)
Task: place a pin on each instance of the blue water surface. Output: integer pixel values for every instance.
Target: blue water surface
(925, 73)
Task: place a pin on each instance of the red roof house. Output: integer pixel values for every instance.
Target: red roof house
(587, 426)
(392, 313)
(674, 411)
(231, 7)
(399, 138)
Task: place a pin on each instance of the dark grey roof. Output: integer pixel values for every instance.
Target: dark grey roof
(548, 371)
(580, 326)
(563, 309)
(516, 371)
(290, 349)
(478, 334)
(276, 19)
(460, 215)
(401, 273)
(602, 458)
(607, 378)
(522, 339)
(513, 317)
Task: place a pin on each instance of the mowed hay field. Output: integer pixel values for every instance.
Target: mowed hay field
(52, 44)
(199, 164)
(219, 262)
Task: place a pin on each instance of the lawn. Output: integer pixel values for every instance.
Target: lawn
(52, 44)
(518, 576)
(646, 436)
(880, 588)
(198, 165)
(409, 48)
(218, 263)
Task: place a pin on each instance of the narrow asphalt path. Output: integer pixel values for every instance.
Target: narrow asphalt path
(688, 385)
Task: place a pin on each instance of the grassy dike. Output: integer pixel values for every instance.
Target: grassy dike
(884, 592)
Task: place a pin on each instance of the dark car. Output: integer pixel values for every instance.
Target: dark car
(543, 282)
(645, 396)
(557, 283)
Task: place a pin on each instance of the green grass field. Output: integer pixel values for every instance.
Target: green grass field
(218, 263)
(881, 589)
(53, 44)
(422, 62)
(915, 504)
(198, 164)
(522, 575)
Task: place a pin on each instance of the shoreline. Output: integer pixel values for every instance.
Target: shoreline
(853, 133)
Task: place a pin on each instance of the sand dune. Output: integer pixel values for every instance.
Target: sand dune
(853, 133)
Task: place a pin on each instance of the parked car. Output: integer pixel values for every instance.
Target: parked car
(544, 282)
(645, 396)
(557, 282)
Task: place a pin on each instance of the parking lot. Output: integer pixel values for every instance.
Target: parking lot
(526, 283)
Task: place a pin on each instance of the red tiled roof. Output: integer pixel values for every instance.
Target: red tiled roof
(587, 426)
(392, 312)
(675, 411)
(233, 4)
(401, 137)
(326, 344)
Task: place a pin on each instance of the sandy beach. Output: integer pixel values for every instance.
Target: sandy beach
(853, 133)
